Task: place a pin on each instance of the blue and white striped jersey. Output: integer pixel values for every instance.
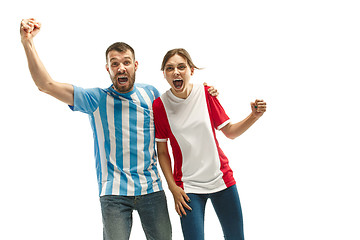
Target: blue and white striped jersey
(124, 138)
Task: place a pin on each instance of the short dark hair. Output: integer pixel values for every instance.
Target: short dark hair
(181, 52)
(120, 47)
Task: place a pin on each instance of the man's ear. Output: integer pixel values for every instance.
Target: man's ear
(136, 65)
(107, 68)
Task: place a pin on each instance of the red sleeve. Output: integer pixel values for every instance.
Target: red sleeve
(161, 122)
(217, 113)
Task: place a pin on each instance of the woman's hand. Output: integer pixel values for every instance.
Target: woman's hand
(180, 199)
(258, 108)
(213, 91)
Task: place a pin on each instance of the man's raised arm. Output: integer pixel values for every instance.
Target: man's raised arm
(62, 91)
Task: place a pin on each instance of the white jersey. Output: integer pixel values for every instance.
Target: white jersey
(200, 166)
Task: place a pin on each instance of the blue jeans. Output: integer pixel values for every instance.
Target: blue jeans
(152, 209)
(227, 207)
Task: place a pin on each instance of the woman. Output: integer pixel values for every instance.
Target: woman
(188, 116)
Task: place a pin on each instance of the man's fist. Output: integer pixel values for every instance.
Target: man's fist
(29, 28)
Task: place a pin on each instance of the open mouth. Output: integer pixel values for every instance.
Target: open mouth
(178, 83)
(122, 80)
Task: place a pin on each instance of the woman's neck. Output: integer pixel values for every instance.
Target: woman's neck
(184, 93)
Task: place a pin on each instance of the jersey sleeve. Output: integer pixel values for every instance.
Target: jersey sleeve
(86, 100)
(162, 126)
(217, 113)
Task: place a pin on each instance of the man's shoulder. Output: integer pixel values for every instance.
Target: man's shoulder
(95, 92)
(146, 86)
(87, 100)
(94, 89)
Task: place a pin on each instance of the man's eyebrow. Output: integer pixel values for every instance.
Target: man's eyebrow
(117, 59)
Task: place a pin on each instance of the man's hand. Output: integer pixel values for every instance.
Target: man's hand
(29, 28)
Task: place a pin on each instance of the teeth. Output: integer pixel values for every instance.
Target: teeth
(122, 79)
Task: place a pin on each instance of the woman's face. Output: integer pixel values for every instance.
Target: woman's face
(178, 73)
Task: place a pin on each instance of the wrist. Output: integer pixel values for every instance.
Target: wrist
(254, 116)
(172, 186)
(26, 42)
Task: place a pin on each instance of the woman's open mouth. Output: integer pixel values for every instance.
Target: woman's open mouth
(178, 83)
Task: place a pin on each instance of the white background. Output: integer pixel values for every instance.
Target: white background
(296, 168)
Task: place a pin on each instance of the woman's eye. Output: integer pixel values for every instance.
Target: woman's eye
(169, 68)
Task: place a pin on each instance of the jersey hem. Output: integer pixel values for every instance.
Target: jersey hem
(160, 140)
(223, 125)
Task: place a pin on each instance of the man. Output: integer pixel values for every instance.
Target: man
(124, 139)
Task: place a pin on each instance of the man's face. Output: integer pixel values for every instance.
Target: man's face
(121, 67)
